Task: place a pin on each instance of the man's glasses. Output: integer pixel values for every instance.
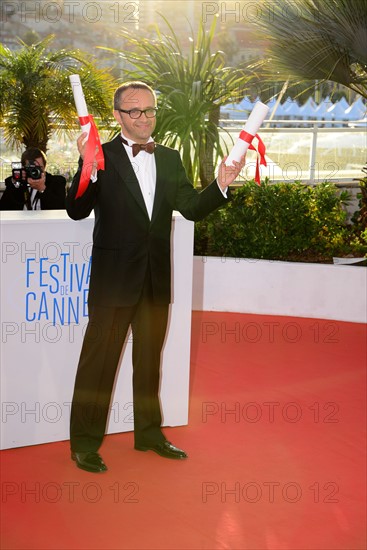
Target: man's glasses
(136, 113)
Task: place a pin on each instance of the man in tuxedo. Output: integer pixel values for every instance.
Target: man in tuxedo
(43, 192)
(133, 200)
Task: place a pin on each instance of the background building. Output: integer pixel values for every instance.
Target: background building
(85, 24)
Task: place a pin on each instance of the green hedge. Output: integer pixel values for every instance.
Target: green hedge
(281, 222)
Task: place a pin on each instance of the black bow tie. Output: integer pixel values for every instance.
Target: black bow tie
(137, 147)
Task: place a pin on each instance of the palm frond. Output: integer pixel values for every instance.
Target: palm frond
(191, 87)
(37, 98)
(317, 40)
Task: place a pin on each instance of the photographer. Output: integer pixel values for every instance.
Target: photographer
(30, 187)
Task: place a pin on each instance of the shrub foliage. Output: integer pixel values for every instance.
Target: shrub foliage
(280, 222)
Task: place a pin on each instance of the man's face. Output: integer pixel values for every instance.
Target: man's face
(140, 129)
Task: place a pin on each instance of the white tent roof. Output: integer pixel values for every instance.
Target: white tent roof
(355, 112)
(336, 111)
(245, 104)
(279, 110)
(323, 107)
(308, 109)
(343, 103)
(271, 102)
(361, 103)
(321, 110)
(292, 110)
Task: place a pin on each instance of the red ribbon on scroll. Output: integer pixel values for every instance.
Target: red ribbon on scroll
(245, 136)
(92, 142)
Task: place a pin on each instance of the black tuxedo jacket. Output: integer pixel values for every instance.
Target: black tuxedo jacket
(125, 241)
(53, 198)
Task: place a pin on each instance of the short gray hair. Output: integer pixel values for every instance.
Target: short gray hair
(133, 84)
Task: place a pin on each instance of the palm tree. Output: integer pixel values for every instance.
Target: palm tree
(36, 96)
(191, 88)
(312, 40)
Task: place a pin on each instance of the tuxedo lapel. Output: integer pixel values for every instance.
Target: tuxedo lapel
(116, 153)
(161, 167)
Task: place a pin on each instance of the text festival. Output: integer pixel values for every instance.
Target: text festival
(58, 292)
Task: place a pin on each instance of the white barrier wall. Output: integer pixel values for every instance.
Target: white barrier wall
(323, 291)
(44, 288)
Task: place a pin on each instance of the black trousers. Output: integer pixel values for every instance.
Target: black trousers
(99, 359)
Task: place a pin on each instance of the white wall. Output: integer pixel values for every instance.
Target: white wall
(323, 291)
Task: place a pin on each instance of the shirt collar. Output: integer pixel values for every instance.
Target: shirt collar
(130, 142)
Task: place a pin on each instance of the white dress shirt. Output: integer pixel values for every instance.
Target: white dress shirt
(34, 199)
(145, 170)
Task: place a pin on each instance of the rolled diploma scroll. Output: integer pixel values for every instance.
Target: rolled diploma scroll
(93, 150)
(80, 104)
(254, 121)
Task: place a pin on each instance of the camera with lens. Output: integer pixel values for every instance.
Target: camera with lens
(33, 171)
(21, 173)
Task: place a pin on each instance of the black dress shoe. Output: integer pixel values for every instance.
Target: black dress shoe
(89, 461)
(163, 449)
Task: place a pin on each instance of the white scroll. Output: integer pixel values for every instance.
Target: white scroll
(255, 120)
(80, 103)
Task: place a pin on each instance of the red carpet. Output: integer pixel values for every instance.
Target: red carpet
(277, 454)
